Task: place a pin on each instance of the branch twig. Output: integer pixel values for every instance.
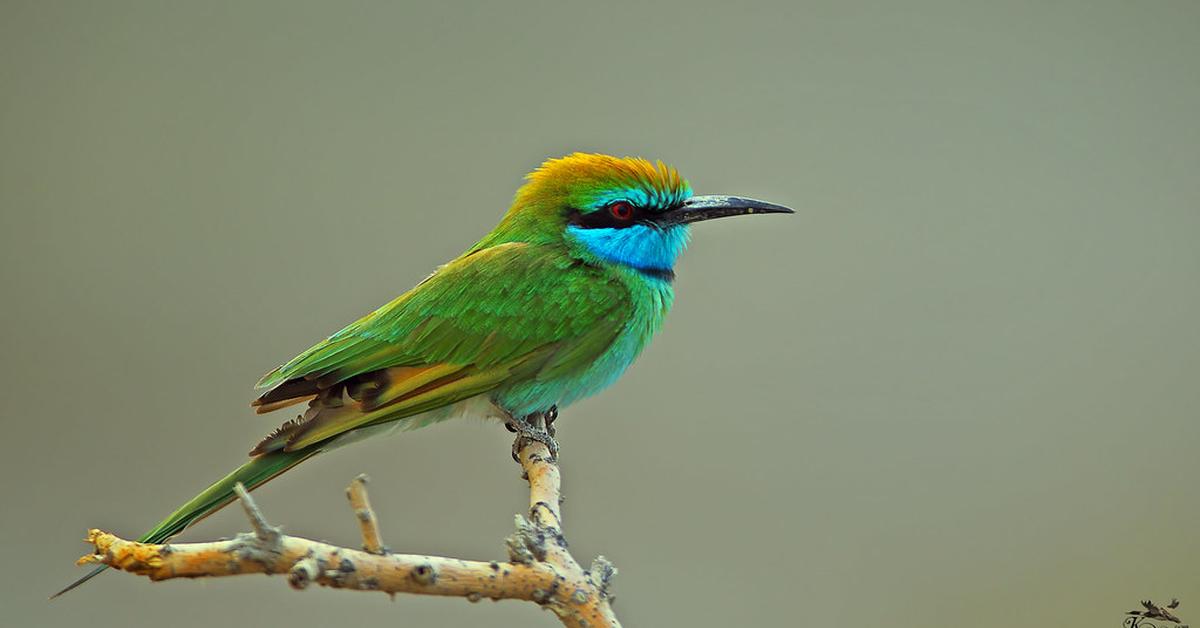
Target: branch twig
(369, 524)
(539, 569)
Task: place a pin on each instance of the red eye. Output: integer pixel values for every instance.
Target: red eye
(621, 210)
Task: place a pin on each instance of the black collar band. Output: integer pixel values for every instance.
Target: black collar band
(661, 274)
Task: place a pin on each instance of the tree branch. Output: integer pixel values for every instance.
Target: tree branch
(539, 569)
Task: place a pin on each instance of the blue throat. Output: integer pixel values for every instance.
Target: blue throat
(647, 249)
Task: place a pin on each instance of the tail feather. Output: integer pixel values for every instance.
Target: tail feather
(253, 474)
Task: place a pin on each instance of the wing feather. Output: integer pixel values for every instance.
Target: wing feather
(500, 315)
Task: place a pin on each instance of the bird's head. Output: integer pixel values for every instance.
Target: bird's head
(612, 210)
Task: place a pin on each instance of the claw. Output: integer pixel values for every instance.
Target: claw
(550, 415)
(534, 427)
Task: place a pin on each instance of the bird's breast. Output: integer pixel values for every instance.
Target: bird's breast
(651, 299)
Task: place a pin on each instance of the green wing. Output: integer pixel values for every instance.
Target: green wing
(496, 316)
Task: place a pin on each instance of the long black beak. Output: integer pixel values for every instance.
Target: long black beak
(699, 208)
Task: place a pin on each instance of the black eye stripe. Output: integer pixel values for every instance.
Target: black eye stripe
(603, 218)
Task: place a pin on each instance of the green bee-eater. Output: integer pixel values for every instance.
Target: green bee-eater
(550, 307)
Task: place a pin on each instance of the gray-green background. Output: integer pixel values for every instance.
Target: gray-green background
(959, 387)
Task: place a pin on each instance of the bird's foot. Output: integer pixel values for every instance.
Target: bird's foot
(536, 427)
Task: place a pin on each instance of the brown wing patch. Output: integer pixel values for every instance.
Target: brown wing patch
(263, 408)
(360, 399)
(422, 389)
(288, 393)
(328, 422)
(277, 439)
(396, 382)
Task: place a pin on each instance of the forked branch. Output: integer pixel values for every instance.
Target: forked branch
(539, 567)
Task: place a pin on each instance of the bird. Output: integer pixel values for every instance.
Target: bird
(1154, 611)
(549, 307)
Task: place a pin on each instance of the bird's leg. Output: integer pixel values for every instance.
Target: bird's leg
(534, 427)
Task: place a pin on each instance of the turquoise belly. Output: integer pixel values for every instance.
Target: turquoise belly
(652, 299)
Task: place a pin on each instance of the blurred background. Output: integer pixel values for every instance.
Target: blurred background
(959, 386)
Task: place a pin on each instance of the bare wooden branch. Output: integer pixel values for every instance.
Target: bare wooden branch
(367, 522)
(544, 486)
(264, 531)
(539, 569)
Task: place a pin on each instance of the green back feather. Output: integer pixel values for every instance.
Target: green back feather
(485, 310)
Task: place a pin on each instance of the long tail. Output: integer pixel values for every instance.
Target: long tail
(253, 474)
